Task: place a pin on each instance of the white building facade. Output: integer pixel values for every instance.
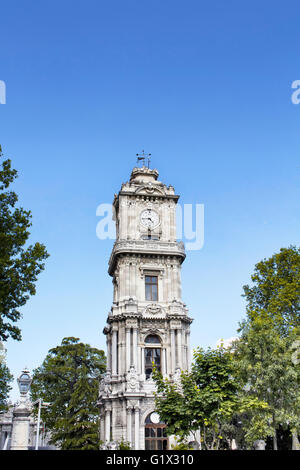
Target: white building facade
(148, 322)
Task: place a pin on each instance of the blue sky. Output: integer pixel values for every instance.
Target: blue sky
(206, 88)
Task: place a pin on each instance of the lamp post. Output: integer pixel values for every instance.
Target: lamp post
(21, 414)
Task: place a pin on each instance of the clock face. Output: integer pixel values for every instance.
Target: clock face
(149, 219)
(154, 417)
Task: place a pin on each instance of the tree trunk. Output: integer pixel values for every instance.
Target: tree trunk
(275, 447)
(213, 441)
(275, 441)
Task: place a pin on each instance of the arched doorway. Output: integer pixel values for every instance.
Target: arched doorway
(155, 433)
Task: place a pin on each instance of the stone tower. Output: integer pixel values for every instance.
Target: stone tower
(148, 322)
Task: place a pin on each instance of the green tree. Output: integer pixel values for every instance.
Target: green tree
(69, 380)
(19, 267)
(263, 360)
(264, 351)
(5, 379)
(276, 290)
(205, 399)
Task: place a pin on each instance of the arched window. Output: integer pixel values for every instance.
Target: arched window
(152, 355)
(152, 339)
(155, 433)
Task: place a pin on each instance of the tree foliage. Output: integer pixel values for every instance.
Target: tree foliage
(264, 352)
(276, 290)
(69, 380)
(19, 266)
(263, 360)
(205, 399)
(5, 379)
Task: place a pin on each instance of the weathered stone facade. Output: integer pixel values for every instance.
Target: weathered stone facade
(148, 319)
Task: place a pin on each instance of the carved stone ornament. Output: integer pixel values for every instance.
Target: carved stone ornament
(153, 309)
(132, 380)
(151, 189)
(105, 385)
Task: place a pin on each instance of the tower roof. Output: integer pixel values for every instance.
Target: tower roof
(143, 175)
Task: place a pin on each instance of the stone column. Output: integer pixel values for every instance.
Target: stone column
(142, 361)
(128, 349)
(20, 427)
(121, 339)
(179, 283)
(136, 428)
(108, 345)
(168, 222)
(172, 290)
(127, 279)
(114, 352)
(188, 335)
(134, 348)
(102, 424)
(125, 218)
(129, 434)
(133, 279)
(121, 282)
(107, 425)
(164, 362)
(138, 365)
(175, 282)
(173, 350)
(183, 349)
(179, 348)
(168, 282)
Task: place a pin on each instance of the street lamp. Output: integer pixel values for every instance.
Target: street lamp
(24, 382)
(21, 414)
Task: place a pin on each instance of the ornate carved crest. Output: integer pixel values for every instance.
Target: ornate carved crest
(132, 380)
(153, 309)
(151, 189)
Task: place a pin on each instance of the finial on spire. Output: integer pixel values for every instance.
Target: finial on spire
(142, 156)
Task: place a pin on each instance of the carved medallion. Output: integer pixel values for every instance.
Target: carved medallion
(153, 309)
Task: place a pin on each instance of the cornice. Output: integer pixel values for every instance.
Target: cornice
(145, 247)
(125, 316)
(143, 192)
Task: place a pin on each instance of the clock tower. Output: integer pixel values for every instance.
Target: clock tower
(148, 322)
